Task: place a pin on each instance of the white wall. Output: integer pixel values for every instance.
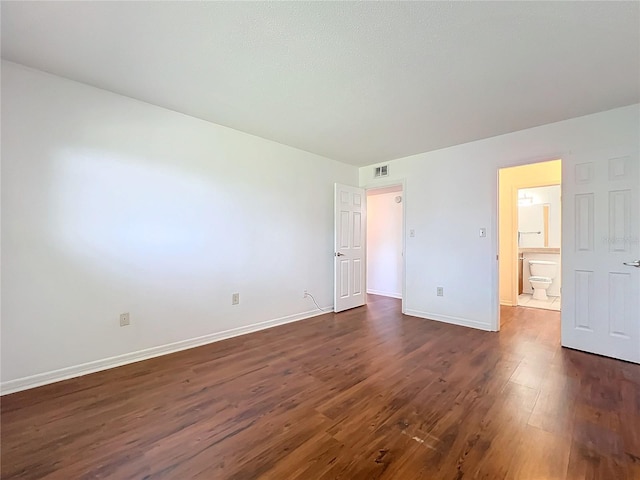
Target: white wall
(450, 193)
(112, 205)
(533, 214)
(384, 244)
(531, 219)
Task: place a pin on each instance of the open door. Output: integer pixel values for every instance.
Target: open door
(601, 254)
(349, 262)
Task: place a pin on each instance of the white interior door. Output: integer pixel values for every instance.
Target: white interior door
(601, 235)
(349, 266)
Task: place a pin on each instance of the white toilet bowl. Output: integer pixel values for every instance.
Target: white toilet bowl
(542, 274)
(540, 285)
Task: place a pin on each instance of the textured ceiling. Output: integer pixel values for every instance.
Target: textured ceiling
(359, 82)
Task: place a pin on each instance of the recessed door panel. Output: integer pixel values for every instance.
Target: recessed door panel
(584, 173)
(357, 230)
(619, 220)
(584, 222)
(344, 278)
(357, 276)
(620, 168)
(584, 294)
(619, 300)
(344, 230)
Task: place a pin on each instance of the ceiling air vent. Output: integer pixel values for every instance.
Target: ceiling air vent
(382, 171)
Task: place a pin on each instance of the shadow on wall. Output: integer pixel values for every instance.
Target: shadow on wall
(123, 214)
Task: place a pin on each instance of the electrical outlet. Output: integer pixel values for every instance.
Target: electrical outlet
(305, 294)
(124, 319)
(235, 299)
(412, 233)
(440, 291)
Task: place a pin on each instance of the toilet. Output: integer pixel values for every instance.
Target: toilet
(542, 274)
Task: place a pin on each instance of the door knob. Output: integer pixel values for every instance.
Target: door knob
(633, 264)
(340, 254)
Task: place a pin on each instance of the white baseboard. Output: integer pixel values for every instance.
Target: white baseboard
(384, 294)
(53, 376)
(463, 322)
(507, 302)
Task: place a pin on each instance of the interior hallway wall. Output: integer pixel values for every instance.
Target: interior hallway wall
(384, 244)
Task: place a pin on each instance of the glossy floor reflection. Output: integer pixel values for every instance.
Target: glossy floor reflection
(364, 394)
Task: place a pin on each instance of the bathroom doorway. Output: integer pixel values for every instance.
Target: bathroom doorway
(385, 245)
(538, 234)
(529, 228)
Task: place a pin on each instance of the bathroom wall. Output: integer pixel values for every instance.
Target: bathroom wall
(384, 242)
(554, 288)
(529, 215)
(531, 225)
(510, 180)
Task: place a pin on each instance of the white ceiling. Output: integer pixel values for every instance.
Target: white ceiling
(358, 82)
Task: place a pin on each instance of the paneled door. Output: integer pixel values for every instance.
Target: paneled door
(349, 251)
(601, 254)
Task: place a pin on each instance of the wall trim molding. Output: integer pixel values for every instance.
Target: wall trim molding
(462, 322)
(66, 373)
(384, 294)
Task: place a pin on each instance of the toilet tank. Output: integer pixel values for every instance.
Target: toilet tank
(543, 268)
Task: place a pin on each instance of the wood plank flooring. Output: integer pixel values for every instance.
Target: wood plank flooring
(365, 394)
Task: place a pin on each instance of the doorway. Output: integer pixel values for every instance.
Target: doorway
(529, 226)
(385, 246)
(539, 213)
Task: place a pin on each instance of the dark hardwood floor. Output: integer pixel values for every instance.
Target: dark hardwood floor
(364, 394)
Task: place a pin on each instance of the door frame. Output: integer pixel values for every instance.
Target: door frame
(495, 321)
(376, 185)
